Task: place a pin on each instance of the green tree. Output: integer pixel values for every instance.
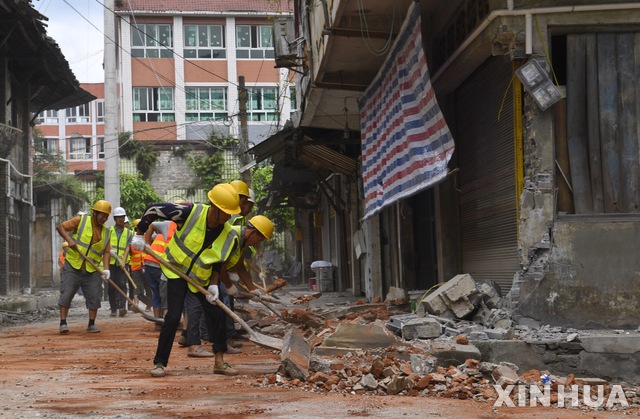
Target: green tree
(135, 195)
(142, 152)
(282, 216)
(210, 167)
(50, 177)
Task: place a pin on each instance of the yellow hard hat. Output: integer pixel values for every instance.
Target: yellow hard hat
(240, 187)
(179, 201)
(135, 223)
(102, 206)
(262, 224)
(65, 244)
(225, 197)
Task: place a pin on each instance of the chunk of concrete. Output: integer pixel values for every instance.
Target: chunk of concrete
(504, 376)
(421, 328)
(450, 353)
(369, 381)
(610, 343)
(454, 295)
(461, 307)
(458, 287)
(295, 355)
(435, 304)
(351, 336)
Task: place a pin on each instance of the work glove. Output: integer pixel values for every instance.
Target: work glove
(212, 297)
(234, 277)
(113, 254)
(138, 242)
(257, 292)
(262, 276)
(106, 274)
(232, 290)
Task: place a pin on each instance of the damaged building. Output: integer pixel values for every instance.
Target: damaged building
(503, 146)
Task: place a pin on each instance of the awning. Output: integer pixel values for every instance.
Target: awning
(300, 160)
(291, 146)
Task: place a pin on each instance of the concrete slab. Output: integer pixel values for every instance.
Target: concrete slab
(421, 328)
(523, 354)
(349, 337)
(610, 343)
(450, 353)
(295, 355)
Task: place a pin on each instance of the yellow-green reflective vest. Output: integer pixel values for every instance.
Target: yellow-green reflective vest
(232, 261)
(82, 237)
(187, 243)
(119, 245)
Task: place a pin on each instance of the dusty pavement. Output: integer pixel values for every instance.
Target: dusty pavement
(45, 374)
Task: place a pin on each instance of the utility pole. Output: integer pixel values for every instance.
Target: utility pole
(111, 148)
(244, 130)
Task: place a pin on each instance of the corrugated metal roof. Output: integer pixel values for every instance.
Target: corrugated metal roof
(36, 59)
(311, 154)
(219, 6)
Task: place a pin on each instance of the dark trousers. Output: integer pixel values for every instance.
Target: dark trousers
(116, 300)
(177, 290)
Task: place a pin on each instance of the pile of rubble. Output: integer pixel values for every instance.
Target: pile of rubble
(381, 349)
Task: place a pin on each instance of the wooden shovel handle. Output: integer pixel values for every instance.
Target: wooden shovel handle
(199, 287)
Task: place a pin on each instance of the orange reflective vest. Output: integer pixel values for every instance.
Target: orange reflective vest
(136, 259)
(159, 243)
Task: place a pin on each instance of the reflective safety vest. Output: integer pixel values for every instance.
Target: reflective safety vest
(159, 243)
(119, 244)
(239, 250)
(82, 237)
(136, 260)
(185, 249)
(237, 220)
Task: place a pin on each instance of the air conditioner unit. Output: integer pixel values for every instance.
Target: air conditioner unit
(285, 43)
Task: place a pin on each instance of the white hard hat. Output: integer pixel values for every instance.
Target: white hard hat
(252, 196)
(126, 219)
(119, 212)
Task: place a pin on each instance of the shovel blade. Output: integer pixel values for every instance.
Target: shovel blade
(266, 341)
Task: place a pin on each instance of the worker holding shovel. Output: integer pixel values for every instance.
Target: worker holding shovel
(200, 245)
(86, 234)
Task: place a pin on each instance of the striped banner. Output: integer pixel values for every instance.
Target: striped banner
(406, 143)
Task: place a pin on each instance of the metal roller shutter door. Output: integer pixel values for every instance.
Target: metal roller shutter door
(485, 150)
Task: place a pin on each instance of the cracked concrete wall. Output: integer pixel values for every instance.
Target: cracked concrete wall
(592, 279)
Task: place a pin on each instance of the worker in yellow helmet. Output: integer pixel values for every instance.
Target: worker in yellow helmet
(257, 230)
(200, 245)
(87, 234)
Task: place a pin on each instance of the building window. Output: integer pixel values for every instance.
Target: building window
(204, 41)
(151, 41)
(206, 104)
(100, 110)
(79, 148)
(101, 147)
(153, 104)
(293, 99)
(48, 117)
(46, 146)
(263, 104)
(79, 114)
(254, 41)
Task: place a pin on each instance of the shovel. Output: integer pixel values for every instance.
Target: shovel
(271, 308)
(259, 338)
(121, 263)
(134, 306)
